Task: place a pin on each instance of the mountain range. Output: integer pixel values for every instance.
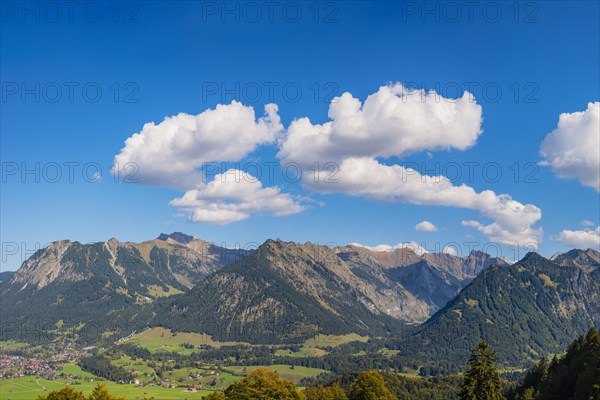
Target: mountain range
(290, 291)
(286, 292)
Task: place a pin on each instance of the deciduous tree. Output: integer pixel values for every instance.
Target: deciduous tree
(333, 392)
(262, 384)
(370, 385)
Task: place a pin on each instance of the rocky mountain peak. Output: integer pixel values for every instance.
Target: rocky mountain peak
(555, 256)
(171, 262)
(587, 260)
(389, 259)
(478, 253)
(177, 237)
(278, 248)
(584, 254)
(44, 266)
(532, 256)
(112, 244)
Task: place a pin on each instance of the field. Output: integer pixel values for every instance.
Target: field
(158, 291)
(323, 341)
(161, 339)
(315, 347)
(218, 380)
(27, 388)
(74, 369)
(411, 373)
(389, 353)
(303, 352)
(286, 371)
(139, 365)
(12, 345)
(181, 377)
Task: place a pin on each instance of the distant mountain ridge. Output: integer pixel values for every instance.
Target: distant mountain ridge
(588, 260)
(223, 254)
(64, 261)
(525, 311)
(177, 237)
(286, 291)
(433, 278)
(290, 291)
(105, 283)
(6, 275)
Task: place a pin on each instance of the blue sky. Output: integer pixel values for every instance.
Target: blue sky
(152, 60)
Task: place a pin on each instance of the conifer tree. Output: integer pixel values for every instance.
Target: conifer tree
(481, 381)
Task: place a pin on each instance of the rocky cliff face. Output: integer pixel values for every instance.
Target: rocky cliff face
(155, 262)
(47, 265)
(431, 279)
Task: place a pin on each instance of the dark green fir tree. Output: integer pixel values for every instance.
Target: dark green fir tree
(481, 381)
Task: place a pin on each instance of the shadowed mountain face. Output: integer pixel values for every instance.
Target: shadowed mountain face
(525, 311)
(107, 283)
(178, 237)
(6, 275)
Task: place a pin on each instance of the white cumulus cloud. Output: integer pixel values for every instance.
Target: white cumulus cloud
(512, 221)
(170, 153)
(426, 226)
(395, 122)
(173, 152)
(586, 239)
(414, 246)
(452, 250)
(234, 196)
(572, 149)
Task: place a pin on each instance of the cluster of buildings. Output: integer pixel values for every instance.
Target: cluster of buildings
(17, 366)
(45, 364)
